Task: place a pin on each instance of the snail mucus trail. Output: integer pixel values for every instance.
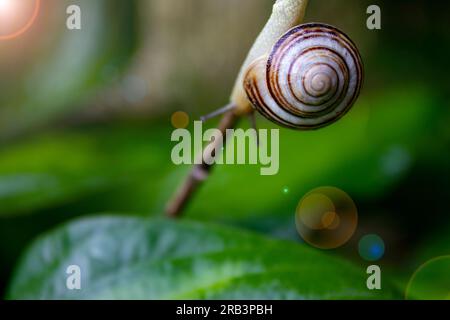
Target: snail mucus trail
(310, 79)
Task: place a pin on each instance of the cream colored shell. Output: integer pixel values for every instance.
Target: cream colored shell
(285, 15)
(311, 78)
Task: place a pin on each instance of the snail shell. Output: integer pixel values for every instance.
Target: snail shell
(311, 78)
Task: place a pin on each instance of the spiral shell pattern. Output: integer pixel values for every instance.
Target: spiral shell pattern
(311, 78)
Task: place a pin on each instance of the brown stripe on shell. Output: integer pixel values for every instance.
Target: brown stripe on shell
(254, 95)
(271, 76)
(276, 57)
(326, 110)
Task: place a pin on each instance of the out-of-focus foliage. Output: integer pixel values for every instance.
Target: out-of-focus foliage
(381, 143)
(63, 68)
(90, 113)
(128, 258)
(97, 154)
(58, 168)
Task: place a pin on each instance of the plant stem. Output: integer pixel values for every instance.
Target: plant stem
(285, 15)
(199, 172)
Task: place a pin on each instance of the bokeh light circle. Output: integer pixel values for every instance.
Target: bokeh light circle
(326, 218)
(371, 247)
(8, 5)
(431, 281)
(180, 120)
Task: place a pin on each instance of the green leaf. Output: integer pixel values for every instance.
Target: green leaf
(60, 175)
(136, 258)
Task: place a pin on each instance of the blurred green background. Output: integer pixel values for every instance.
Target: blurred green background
(85, 124)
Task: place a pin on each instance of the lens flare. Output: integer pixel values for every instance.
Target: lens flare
(326, 218)
(371, 247)
(5, 5)
(431, 281)
(16, 17)
(180, 120)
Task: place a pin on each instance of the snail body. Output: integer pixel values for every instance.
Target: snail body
(286, 14)
(299, 76)
(310, 79)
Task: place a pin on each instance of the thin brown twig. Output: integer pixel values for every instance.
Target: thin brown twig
(199, 172)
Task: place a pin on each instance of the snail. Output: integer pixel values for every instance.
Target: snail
(310, 79)
(300, 76)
